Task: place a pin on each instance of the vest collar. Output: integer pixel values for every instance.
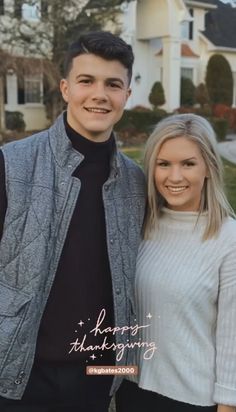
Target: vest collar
(66, 156)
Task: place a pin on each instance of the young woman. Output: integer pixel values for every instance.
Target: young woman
(186, 277)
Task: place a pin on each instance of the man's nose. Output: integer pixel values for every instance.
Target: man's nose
(99, 91)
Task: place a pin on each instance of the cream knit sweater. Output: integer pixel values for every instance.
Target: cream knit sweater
(189, 288)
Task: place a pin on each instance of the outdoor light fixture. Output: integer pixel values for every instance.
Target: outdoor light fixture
(137, 78)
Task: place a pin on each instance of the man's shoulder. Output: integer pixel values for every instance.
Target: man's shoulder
(128, 163)
(29, 142)
(20, 155)
(133, 176)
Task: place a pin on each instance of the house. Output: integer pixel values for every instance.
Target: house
(170, 38)
(23, 91)
(174, 39)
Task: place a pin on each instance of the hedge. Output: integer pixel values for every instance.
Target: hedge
(15, 121)
(139, 122)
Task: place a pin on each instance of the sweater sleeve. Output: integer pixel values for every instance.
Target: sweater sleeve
(3, 196)
(225, 386)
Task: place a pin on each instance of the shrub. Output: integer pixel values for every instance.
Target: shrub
(220, 110)
(220, 126)
(202, 95)
(219, 80)
(157, 95)
(140, 108)
(225, 112)
(185, 109)
(205, 111)
(15, 121)
(187, 95)
(231, 117)
(139, 122)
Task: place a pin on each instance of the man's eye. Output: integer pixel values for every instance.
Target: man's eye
(115, 85)
(85, 81)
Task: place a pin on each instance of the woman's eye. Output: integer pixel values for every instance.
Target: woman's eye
(189, 164)
(162, 164)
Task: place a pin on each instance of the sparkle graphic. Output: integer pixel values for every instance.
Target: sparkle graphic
(100, 328)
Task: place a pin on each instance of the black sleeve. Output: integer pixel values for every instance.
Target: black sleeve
(3, 195)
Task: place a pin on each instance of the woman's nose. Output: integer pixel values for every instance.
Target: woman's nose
(175, 174)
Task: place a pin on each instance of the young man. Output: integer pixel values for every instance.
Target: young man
(71, 210)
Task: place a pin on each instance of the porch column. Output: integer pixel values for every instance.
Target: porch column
(171, 71)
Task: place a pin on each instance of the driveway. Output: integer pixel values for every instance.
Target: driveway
(228, 149)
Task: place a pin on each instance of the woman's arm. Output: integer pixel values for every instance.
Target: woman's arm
(3, 197)
(225, 384)
(225, 408)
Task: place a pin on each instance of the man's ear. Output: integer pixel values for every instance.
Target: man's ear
(128, 93)
(64, 89)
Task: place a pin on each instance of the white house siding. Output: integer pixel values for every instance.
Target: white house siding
(34, 113)
(150, 26)
(158, 27)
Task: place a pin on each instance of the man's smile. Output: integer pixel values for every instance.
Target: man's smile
(97, 110)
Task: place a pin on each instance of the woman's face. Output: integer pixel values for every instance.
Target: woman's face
(180, 174)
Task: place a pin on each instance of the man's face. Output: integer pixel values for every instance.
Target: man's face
(96, 91)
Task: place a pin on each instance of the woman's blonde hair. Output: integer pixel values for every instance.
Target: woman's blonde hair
(213, 198)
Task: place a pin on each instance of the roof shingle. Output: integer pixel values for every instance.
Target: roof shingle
(221, 25)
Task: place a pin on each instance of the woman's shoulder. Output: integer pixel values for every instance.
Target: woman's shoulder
(228, 230)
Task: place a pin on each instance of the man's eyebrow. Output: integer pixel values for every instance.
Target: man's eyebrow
(84, 75)
(108, 79)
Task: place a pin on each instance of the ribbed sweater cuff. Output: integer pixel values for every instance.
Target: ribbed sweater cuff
(224, 395)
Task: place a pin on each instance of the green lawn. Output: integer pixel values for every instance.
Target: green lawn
(230, 182)
(136, 153)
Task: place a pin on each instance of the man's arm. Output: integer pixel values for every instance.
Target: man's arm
(3, 196)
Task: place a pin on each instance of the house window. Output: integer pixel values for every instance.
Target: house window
(30, 11)
(234, 90)
(187, 28)
(1, 7)
(187, 73)
(27, 11)
(20, 90)
(44, 9)
(33, 89)
(30, 89)
(18, 8)
(191, 25)
(5, 89)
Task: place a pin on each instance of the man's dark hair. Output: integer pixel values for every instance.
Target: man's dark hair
(103, 44)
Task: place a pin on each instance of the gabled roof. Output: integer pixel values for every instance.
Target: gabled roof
(221, 26)
(205, 1)
(206, 4)
(186, 51)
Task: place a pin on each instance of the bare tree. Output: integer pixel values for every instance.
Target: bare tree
(47, 34)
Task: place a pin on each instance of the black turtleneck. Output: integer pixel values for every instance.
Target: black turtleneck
(82, 285)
